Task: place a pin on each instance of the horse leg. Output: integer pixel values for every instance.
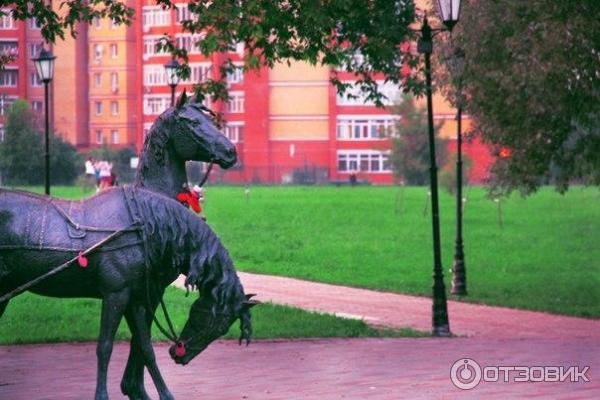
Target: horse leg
(113, 307)
(141, 322)
(132, 384)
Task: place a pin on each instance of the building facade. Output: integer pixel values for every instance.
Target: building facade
(288, 122)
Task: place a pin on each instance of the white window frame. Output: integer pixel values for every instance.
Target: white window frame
(150, 46)
(156, 104)
(98, 107)
(234, 131)
(389, 89)
(34, 80)
(10, 78)
(99, 136)
(354, 160)
(34, 49)
(98, 79)
(236, 103)
(115, 137)
(6, 20)
(114, 81)
(365, 127)
(155, 16)
(114, 107)
(236, 76)
(5, 103)
(114, 50)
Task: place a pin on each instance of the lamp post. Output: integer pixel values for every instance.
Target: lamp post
(172, 69)
(44, 65)
(459, 275)
(449, 10)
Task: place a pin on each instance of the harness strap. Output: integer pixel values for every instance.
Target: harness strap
(61, 267)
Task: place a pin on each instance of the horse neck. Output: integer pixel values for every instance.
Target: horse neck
(167, 177)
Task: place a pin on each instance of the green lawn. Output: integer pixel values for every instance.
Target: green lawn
(546, 256)
(35, 319)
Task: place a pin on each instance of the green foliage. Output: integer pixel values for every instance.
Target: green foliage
(34, 319)
(119, 158)
(22, 152)
(448, 172)
(532, 86)
(410, 146)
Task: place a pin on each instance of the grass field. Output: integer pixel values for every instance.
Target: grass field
(545, 256)
(35, 319)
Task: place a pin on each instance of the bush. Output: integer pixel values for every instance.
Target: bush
(448, 173)
(410, 147)
(22, 160)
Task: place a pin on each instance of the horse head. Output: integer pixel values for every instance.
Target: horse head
(187, 132)
(195, 137)
(221, 303)
(205, 325)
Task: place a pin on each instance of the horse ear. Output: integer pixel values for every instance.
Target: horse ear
(182, 99)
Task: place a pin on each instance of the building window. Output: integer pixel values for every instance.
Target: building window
(114, 82)
(235, 76)
(355, 97)
(236, 102)
(189, 42)
(154, 75)
(114, 24)
(155, 105)
(8, 47)
(2, 133)
(363, 161)
(33, 23)
(6, 20)
(98, 79)
(234, 132)
(155, 16)
(99, 137)
(200, 72)
(114, 107)
(97, 22)
(98, 50)
(114, 50)
(5, 103)
(98, 107)
(8, 78)
(34, 49)
(34, 80)
(114, 136)
(151, 46)
(36, 106)
(366, 128)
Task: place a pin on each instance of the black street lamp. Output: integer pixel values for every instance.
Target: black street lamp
(459, 274)
(44, 65)
(449, 12)
(172, 69)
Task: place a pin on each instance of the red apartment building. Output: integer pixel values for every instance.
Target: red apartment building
(288, 122)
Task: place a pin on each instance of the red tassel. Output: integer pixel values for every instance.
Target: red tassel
(82, 260)
(180, 349)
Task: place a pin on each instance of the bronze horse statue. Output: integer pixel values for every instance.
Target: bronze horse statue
(153, 239)
(182, 133)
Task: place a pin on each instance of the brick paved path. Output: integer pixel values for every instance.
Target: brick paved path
(395, 310)
(377, 369)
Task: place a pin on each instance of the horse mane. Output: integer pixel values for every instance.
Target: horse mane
(155, 144)
(187, 239)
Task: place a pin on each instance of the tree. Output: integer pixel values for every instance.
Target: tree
(21, 153)
(532, 84)
(410, 144)
(362, 37)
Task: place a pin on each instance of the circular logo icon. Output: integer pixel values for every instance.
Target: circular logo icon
(465, 373)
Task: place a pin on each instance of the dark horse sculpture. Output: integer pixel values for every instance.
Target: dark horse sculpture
(182, 133)
(154, 239)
